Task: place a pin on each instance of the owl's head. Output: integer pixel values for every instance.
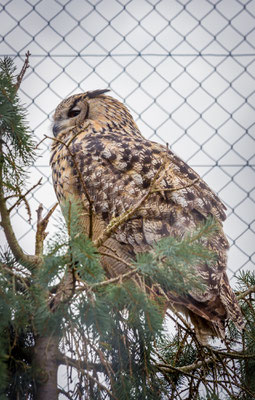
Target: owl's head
(93, 109)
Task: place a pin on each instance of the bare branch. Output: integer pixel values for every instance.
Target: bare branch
(22, 196)
(41, 226)
(23, 71)
(166, 367)
(65, 360)
(41, 141)
(233, 355)
(119, 278)
(246, 293)
(68, 396)
(130, 266)
(22, 282)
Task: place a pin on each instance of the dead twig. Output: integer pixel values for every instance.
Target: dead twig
(63, 359)
(41, 141)
(23, 71)
(41, 226)
(122, 277)
(22, 282)
(23, 196)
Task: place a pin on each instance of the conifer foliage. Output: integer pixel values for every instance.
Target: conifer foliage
(111, 338)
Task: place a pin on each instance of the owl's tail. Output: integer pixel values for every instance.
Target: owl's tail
(209, 316)
(230, 303)
(205, 329)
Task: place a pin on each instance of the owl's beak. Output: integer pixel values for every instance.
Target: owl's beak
(56, 128)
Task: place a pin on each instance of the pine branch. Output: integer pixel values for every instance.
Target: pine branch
(232, 355)
(63, 359)
(22, 283)
(23, 147)
(195, 366)
(180, 370)
(208, 361)
(100, 385)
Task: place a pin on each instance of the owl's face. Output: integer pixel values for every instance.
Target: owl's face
(92, 109)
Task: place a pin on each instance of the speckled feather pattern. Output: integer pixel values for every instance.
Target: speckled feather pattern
(108, 156)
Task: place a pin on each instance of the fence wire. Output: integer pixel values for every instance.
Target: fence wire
(185, 69)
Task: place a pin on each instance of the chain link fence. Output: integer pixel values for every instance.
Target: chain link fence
(185, 69)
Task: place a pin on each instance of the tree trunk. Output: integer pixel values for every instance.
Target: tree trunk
(46, 367)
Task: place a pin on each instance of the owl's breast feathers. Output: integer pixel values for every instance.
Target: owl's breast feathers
(117, 170)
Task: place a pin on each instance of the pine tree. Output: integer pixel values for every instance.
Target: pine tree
(58, 308)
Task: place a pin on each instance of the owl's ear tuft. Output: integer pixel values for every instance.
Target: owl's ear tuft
(96, 93)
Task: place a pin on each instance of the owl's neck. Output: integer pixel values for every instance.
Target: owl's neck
(123, 127)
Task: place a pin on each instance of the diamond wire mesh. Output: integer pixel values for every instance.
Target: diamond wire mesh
(185, 69)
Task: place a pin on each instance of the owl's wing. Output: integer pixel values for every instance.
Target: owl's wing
(119, 173)
(177, 198)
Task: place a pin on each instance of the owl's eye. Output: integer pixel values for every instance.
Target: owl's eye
(73, 112)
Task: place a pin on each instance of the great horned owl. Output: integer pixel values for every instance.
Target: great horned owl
(100, 158)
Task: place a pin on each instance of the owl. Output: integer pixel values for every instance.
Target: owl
(100, 158)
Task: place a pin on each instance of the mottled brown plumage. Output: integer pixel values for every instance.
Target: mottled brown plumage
(100, 157)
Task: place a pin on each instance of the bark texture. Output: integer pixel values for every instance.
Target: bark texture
(46, 364)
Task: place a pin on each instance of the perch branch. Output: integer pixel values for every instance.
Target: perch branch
(23, 196)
